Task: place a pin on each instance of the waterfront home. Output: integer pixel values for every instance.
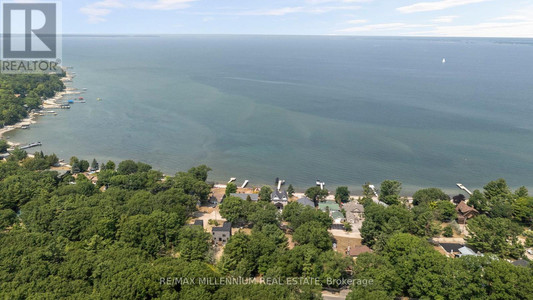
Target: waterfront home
(465, 212)
(306, 202)
(354, 211)
(222, 234)
(357, 250)
(329, 205)
(279, 198)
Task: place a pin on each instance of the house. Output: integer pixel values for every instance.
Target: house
(199, 223)
(354, 211)
(357, 250)
(279, 198)
(328, 205)
(465, 251)
(521, 263)
(465, 212)
(457, 250)
(451, 248)
(244, 196)
(306, 202)
(222, 234)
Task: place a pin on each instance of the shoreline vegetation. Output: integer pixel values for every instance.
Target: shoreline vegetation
(110, 231)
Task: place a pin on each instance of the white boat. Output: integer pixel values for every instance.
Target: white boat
(444, 60)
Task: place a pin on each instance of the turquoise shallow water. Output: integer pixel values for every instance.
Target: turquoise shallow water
(341, 109)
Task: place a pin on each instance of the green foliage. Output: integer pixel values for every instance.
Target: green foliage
(445, 211)
(390, 192)
(265, 193)
(447, 231)
(495, 235)
(342, 194)
(231, 188)
(316, 193)
(297, 214)
(429, 195)
(313, 233)
(193, 243)
(4, 145)
(290, 191)
(7, 218)
(18, 154)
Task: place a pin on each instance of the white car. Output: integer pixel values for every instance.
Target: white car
(530, 251)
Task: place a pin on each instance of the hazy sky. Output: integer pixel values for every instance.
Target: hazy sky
(483, 18)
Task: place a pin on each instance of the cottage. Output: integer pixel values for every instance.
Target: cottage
(279, 198)
(357, 250)
(222, 234)
(354, 211)
(306, 202)
(465, 212)
(328, 205)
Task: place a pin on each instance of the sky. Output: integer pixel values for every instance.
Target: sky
(458, 18)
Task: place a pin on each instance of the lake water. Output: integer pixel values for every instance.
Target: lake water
(341, 109)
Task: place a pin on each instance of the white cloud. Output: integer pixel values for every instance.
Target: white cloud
(357, 21)
(163, 4)
(439, 5)
(377, 28)
(97, 11)
(314, 2)
(488, 29)
(445, 19)
(295, 9)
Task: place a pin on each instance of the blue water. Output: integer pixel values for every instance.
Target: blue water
(341, 109)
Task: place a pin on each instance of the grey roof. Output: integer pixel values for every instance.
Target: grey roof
(521, 262)
(199, 223)
(466, 251)
(225, 227)
(243, 196)
(451, 247)
(279, 196)
(306, 201)
(353, 206)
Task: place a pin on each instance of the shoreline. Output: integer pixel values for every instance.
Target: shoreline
(50, 103)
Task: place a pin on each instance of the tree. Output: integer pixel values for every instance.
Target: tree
(94, 164)
(495, 235)
(265, 193)
(390, 192)
(313, 233)
(18, 154)
(234, 209)
(522, 192)
(445, 211)
(231, 188)
(429, 195)
(290, 191)
(3, 146)
(127, 167)
(84, 166)
(479, 202)
(7, 218)
(110, 165)
(316, 193)
(367, 191)
(342, 194)
(447, 231)
(497, 189)
(193, 243)
(200, 172)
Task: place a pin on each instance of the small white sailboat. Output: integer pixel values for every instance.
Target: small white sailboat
(444, 60)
